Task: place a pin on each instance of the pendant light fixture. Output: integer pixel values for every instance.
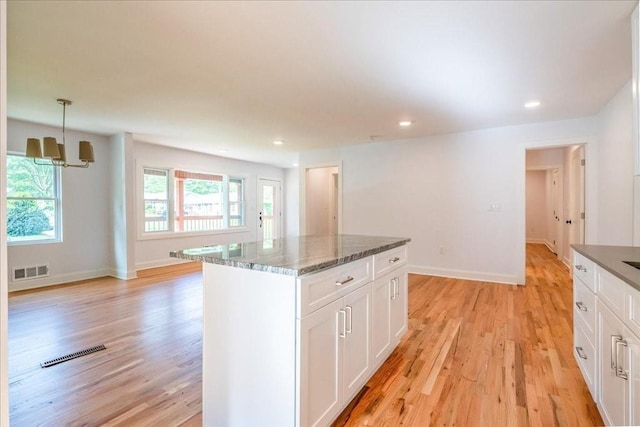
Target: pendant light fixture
(55, 152)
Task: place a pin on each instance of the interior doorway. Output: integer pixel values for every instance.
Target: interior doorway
(555, 198)
(322, 200)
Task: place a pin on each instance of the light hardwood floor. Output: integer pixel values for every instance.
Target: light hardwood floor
(475, 354)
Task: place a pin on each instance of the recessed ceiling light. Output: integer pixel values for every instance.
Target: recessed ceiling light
(532, 104)
(405, 123)
(278, 142)
(222, 150)
(295, 165)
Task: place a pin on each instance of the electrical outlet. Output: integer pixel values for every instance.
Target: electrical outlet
(441, 250)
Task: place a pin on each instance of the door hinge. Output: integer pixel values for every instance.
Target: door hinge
(581, 215)
(582, 162)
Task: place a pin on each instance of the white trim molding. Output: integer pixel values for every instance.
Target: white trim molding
(478, 276)
(58, 280)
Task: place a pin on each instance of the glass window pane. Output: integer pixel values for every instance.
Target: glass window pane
(236, 202)
(156, 200)
(202, 206)
(31, 219)
(26, 179)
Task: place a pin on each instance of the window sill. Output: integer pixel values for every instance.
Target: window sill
(32, 242)
(181, 234)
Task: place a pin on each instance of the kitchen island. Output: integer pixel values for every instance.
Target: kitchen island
(293, 328)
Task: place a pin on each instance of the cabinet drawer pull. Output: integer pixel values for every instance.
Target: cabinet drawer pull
(393, 260)
(581, 306)
(581, 267)
(614, 351)
(581, 353)
(347, 280)
(349, 321)
(343, 315)
(620, 372)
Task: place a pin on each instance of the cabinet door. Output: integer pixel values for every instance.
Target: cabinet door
(381, 330)
(357, 358)
(399, 309)
(633, 341)
(320, 369)
(613, 393)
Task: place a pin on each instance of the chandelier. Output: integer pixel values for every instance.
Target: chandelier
(56, 153)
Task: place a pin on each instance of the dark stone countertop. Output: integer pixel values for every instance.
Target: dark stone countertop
(293, 256)
(612, 258)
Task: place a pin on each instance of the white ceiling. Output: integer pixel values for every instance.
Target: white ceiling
(207, 76)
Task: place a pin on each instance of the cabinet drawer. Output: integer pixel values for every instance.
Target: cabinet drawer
(319, 289)
(585, 354)
(584, 307)
(387, 261)
(585, 269)
(612, 291)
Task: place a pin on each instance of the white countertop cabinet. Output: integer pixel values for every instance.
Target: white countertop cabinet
(281, 350)
(606, 313)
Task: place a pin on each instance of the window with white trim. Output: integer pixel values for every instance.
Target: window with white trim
(186, 201)
(34, 207)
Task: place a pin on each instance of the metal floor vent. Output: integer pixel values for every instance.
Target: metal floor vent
(73, 356)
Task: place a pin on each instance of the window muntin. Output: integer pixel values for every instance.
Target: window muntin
(33, 201)
(185, 201)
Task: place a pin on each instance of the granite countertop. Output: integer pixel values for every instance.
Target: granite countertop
(611, 259)
(293, 256)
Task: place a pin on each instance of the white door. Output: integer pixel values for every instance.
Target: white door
(556, 229)
(357, 347)
(399, 306)
(613, 389)
(269, 215)
(321, 341)
(576, 198)
(381, 332)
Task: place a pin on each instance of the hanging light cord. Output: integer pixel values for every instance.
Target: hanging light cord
(64, 115)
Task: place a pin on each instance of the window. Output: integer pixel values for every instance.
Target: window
(33, 201)
(199, 201)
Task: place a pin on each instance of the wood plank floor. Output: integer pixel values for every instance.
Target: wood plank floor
(475, 354)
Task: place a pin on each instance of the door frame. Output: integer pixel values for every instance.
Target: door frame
(560, 198)
(303, 196)
(590, 194)
(278, 205)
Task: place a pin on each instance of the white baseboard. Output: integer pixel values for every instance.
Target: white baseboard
(160, 263)
(536, 240)
(463, 274)
(122, 274)
(57, 280)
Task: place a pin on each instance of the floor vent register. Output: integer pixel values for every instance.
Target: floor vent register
(73, 356)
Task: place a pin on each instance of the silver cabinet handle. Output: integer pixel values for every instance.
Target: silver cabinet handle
(581, 267)
(397, 279)
(392, 282)
(581, 306)
(347, 280)
(343, 314)
(395, 259)
(620, 372)
(349, 321)
(614, 351)
(581, 353)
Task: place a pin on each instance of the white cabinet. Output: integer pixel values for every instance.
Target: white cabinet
(614, 392)
(389, 303)
(281, 350)
(607, 348)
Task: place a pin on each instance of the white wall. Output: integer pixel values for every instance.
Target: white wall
(615, 162)
(545, 158)
(439, 192)
(85, 249)
(4, 333)
(291, 202)
(155, 252)
(536, 206)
